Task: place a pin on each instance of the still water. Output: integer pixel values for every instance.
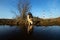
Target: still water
(39, 33)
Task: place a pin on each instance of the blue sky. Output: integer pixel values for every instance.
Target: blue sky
(40, 8)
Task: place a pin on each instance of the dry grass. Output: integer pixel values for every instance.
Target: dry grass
(23, 22)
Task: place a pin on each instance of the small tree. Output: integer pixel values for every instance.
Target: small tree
(23, 8)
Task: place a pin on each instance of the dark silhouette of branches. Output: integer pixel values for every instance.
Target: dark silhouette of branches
(23, 8)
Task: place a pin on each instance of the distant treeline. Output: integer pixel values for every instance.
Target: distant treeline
(37, 22)
(48, 22)
(7, 22)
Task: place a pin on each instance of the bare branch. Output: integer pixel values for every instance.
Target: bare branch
(14, 13)
(23, 8)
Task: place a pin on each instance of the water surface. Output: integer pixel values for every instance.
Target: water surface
(41, 32)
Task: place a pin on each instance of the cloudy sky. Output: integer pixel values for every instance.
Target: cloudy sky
(40, 8)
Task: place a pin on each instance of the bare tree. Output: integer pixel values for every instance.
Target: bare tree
(23, 8)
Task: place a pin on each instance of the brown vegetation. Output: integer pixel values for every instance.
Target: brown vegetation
(49, 22)
(37, 22)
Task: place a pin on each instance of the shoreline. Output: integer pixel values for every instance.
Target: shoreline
(37, 22)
